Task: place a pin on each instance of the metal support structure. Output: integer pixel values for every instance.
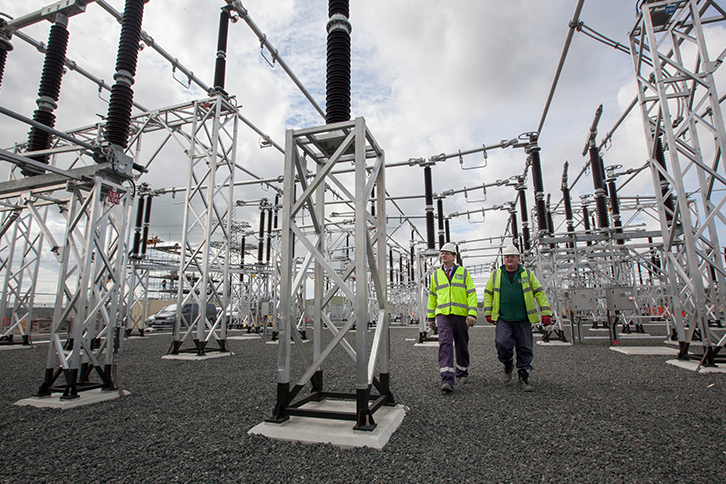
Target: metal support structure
(207, 224)
(679, 103)
(326, 146)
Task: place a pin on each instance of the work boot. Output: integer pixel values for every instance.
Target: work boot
(446, 388)
(524, 379)
(464, 380)
(508, 369)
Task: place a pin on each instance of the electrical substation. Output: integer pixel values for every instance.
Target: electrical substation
(321, 257)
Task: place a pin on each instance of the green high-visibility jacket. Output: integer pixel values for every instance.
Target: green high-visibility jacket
(457, 297)
(531, 289)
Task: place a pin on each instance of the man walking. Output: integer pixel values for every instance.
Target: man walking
(452, 309)
(509, 302)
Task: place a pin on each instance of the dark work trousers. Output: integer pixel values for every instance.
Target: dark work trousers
(453, 335)
(510, 335)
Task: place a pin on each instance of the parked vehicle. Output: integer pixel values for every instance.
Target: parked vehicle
(165, 318)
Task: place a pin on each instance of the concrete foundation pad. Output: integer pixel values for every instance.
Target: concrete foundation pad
(194, 357)
(692, 365)
(432, 344)
(84, 398)
(336, 432)
(645, 350)
(276, 342)
(554, 343)
(245, 336)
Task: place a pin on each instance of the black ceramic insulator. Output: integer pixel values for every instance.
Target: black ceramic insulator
(429, 194)
(269, 235)
(664, 186)
(373, 201)
(586, 221)
(412, 275)
(50, 84)
(390, 258)
(221, 62)
(525, 217)
(598, 182)
(261, 237)
(121, 100)
(3, 58)
(338, 7)
(447, 232)
(550, 223)
(147, 221)
(653, 259)
(277, 202)
(538, 190)
(400, 269)
(615, 210)
(515, 229)
(440, 216)
(568, 209)
(242, 251)
(337, 98)
(137, 227)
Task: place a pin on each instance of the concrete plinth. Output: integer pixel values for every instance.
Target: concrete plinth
(84, 398)
(195, 357)
(645, 350)
(336, 432)
(692, 365)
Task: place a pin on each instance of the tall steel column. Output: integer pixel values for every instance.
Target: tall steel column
(679, 103)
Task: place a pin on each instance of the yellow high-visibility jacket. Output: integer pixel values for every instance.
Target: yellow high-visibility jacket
(457, 297)
(531, 288)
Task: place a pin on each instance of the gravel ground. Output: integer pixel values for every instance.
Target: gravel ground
(595, 416)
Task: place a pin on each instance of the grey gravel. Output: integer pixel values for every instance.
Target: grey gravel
(595, 416)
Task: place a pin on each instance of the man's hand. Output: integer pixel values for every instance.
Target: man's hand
(546, 320)
(489, 320)
(470, 321)
(432, 324)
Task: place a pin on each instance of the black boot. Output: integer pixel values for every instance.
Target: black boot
(508, 369)
(524, 379)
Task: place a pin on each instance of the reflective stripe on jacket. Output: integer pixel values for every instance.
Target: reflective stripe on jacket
(530, 287)
(457, 297)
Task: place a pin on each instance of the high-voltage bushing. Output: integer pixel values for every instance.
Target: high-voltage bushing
(522, 194)
(118, 120)
(137, 227)
(585, 201)
(513, 225)
(5, 47)
(598, 172)
(440, 217)
(270, 225)
(261, 236)
(447, 231)
(550, 222)
(429, 195)
(220, 64)
(668, 201)
(532, 149)
(337, 97)
(568, 204)
(614, 201)
(48, 93)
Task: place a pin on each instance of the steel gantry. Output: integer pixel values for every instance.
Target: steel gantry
(323, 148)
(680, 106)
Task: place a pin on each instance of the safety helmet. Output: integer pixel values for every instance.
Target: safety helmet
(448, 247)
(511, 250)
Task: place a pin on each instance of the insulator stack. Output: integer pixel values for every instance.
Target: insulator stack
(147, 223)
(261, 243)
(664, 186)
(539, 196)
(550, 222)
(48, 93)
(447, 230)
(5, 47)
(598, 182)
(525, 218)
(615, 209)
(569, 218)
(653, 258)
(373, 201)
(440, 216)
(515, 229)
(412, 276)
(269, 235)
(429, 193)
(586, 221)
(390, 258)
(400, 269)
(137, 227)
(122, 96)
(220, 65)
(242, 251)
(337, 97)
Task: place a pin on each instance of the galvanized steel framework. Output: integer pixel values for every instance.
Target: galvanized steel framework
(325, 147)
(679, 104)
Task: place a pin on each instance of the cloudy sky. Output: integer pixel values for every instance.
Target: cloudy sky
(429, 76)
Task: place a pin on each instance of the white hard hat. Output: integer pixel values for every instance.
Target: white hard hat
(448, 247)
(511, 250)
